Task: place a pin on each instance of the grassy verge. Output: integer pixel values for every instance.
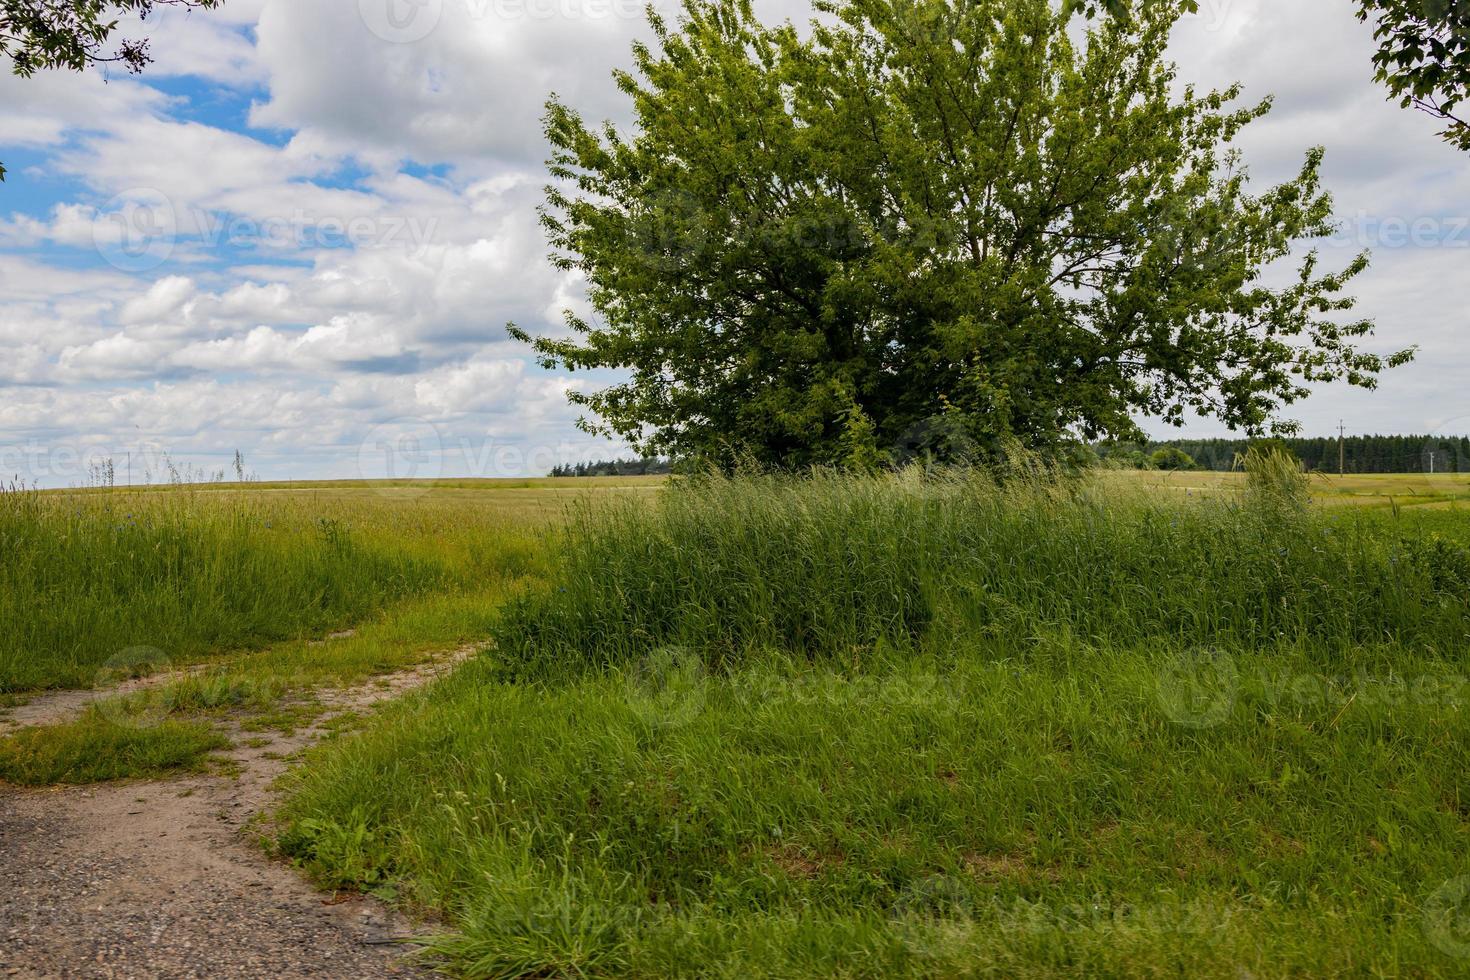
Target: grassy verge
(274, 688)
(985, 818)
(95, 584)
(98, 747)
(937, 728)
(453, 558)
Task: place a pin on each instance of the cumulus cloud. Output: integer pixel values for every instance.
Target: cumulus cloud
(466, 84)
(312, 219)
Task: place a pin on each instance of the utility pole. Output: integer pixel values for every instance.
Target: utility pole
(1341, 448)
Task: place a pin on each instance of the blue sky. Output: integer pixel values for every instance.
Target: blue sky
(301, 233)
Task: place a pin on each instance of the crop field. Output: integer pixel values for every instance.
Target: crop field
(1359, 490)
(1158, 724)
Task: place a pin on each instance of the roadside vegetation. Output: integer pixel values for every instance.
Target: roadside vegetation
(242, 604)
(937, 725)
(100, 584)
(837, 566)
(883, 718)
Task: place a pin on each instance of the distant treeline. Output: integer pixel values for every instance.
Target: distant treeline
(616, 467)
(1361, 454)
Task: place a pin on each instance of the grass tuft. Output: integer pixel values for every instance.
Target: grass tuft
(97, 748)
(841, 568)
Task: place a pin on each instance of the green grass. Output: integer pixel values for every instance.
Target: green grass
(908, 727)
(91, 577)
(825, 726)
(269, 689)
(100, 746)
(797, 820)
(396, 639)
(834, 569)
(199, 573)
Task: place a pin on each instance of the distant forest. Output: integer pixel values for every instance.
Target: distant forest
(616, 467)
(1362, 454)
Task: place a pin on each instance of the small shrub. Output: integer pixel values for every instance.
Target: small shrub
(1171, 458)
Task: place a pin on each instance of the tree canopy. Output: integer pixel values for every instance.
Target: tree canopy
(958, 223)
(1424, 57)
(74, 34)
(1171, 458)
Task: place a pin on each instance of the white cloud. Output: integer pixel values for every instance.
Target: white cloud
(283, 283)
(471, 91)
(41, 110)
(165, 297)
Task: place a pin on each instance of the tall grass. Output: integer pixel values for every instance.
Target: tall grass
(88, 575)
(838, 567)
(937, 725)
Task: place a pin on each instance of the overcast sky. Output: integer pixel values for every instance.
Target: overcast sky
(301, 232)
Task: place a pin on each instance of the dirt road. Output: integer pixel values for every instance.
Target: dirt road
(162, 879)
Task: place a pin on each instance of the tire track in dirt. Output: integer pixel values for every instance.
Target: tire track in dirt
(55, 707)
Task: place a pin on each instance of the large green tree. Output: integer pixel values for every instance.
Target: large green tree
(75, 34)
(953, 223)
(1424, 57)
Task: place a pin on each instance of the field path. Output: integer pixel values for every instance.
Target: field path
(56, 707)
(160, 879)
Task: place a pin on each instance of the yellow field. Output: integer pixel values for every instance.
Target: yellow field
(536, 498)
(529, 499)
(1360, 490)
(512, 499)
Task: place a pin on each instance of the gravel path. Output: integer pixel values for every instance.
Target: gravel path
(160, 879)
